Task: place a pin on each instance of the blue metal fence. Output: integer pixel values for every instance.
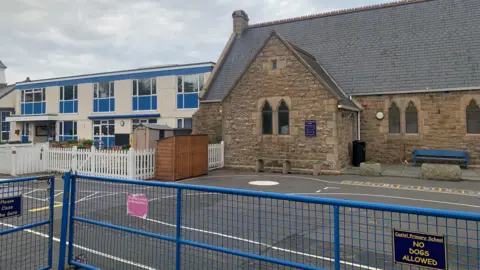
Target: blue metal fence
(199, 227)
(26, 222)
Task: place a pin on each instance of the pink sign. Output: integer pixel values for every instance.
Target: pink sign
(137, 205)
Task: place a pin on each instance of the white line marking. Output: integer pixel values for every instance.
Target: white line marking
(86, 197)
(86, 249)
(263, 244)
(325, 188)
(106, 195)
(393, 197)
(30, 191)
(35, 198)
(255, 242)
(58, 194)
(191, 194)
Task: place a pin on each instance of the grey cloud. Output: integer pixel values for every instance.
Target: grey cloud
(51, 38)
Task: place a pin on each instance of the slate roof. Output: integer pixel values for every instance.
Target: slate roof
(403, 47)
(6, 89)
(2, 65)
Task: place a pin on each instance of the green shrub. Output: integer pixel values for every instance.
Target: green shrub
(72, 141)
(126, 147)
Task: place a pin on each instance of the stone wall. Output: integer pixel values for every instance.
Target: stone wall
(307, 100)
(347, 132)
(208, 120)
(441, 125)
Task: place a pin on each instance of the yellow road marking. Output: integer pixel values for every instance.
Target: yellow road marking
(473, 193)
(44, 208)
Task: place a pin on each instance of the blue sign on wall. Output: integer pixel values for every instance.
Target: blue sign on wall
(420, 249)
(310, 128)
(10, 207)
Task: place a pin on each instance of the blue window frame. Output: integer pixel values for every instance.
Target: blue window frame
(33, 101)
(69, 99)
(25, 132)
(68, 130)
(144, 94)
(5, 135)
(104, 97)
(188, 88)
(104, 133)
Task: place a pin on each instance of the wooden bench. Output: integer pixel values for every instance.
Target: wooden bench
(445, 155)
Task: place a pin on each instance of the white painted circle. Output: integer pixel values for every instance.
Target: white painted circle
(263, 183)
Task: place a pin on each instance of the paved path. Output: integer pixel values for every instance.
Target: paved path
(279, 229)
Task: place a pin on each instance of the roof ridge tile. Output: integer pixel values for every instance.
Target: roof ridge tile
(338, 12)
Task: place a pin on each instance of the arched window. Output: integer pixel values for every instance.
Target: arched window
(394, 119)
(411, 118)
(473, 118)
(283, 119)
(267, 119)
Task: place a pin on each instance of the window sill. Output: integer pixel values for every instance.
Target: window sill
(104, 112)
(188, 109)
(144, 110)
(412, 134)
(473, 134)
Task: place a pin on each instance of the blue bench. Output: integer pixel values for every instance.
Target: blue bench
(447, 155)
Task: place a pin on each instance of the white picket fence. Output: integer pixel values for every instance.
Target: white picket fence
(215, 156)
(124, 164)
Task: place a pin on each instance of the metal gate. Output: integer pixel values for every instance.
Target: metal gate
(130, 224)
(26, 222)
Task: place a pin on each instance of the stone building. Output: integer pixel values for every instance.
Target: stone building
(399, 76)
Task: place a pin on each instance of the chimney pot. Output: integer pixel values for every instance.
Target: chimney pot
(240, 21)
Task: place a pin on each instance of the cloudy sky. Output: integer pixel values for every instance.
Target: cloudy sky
(52, 38)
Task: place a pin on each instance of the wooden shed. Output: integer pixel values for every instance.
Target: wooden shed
(145, 136)
(180, 157)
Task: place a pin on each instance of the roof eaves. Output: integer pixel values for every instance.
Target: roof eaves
(312, 71)
(338, 12)
(273, 33)
(417, 91)
(220, 62)
(12, 87)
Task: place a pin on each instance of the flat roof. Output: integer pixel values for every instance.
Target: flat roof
(154, 71)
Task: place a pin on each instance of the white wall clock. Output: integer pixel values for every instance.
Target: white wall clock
(379, 115)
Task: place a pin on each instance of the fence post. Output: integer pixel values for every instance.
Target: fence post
(73, 188)
(92, 160)
(74, 159)
(63, 233)
(178, 232)
(131, 163)
(336, 235)
(222, 154)
(14, 161)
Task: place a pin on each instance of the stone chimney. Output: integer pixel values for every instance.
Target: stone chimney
(3, 79)
(240, 21)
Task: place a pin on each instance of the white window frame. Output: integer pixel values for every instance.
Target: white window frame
(182, 90)
(111, 94)
(33, 91)
(152, 94)
(182, 120)
(75, 96)
(103, 122)
(143, 121)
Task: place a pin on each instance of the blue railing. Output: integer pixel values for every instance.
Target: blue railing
(26, 222)
(196, 227)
